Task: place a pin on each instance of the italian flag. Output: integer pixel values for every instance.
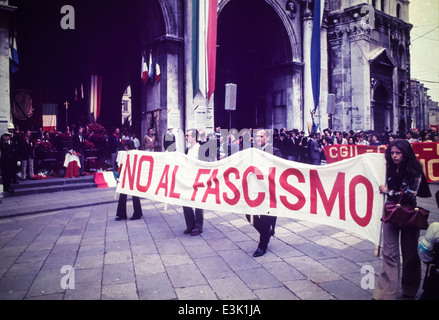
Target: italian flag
(106, 179)
(204, 31)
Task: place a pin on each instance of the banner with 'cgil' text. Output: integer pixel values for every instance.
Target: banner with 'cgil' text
(343, 194)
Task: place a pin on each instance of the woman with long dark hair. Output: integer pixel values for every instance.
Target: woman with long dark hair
(405, 181)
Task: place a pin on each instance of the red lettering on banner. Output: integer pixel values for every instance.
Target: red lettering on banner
(283, 181)
(149, 159)
(172, 193)
(197, 183)
(353, 197)
(233, 188)
(128, 173)
(215, 190)
(260, 198)
(163, 184)
(272, 187)
(338, 189)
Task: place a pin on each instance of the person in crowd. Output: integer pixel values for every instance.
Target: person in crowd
(292, 145)
(223, 148)
(169, 140)
(121, 212)
(428, 251)
(303, 147)
(26, 147)
(194, 217)
(263, 223)
(78, 145)
(362, 141)
(352, 140)
(136, 141)
(114, 144)
(374, 140)
(314, 149)
(149, 140)
(326, 141)
(339, 139)
(8, 161)
(14, 133)
(283, 144)
(410, 137)
(404, 182)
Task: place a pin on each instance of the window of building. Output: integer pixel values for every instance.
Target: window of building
(398, 10)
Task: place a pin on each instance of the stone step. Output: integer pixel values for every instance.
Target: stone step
(51, 185)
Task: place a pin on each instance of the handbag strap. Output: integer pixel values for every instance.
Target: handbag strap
(400, 197)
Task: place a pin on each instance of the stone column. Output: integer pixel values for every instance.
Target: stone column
(360, 70)
(308, 104)
(5, 101)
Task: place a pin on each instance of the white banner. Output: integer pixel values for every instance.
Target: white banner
(343, 194)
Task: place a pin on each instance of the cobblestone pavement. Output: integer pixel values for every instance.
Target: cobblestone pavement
(151, 258)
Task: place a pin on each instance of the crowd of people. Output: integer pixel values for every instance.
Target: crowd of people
(29, 148)
(295, 145)
(27, 154)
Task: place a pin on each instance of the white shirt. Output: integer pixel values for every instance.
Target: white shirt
(193, 151)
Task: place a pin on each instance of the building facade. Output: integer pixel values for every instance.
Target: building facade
(263, 46)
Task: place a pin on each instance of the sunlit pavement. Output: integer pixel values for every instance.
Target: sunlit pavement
(67, 245)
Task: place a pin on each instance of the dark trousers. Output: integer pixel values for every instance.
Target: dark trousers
(122, 206)
(193, 218)
(265, 225)
(8, 172)
(81, 161)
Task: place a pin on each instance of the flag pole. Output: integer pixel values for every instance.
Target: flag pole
(378, 247)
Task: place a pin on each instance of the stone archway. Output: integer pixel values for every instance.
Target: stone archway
(256, 51)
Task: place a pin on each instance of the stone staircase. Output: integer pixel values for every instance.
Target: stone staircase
(51, 185)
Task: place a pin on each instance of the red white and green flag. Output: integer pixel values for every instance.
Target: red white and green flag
(204, 33)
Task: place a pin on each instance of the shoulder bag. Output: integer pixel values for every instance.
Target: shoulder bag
(404, 216)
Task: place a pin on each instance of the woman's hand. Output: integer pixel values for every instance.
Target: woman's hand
(383, 188)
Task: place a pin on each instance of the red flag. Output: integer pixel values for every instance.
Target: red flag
(157, 72)
(144, 74)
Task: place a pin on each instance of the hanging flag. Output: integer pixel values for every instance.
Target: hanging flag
(82, 91)
(50, 115)
(95, 96)
(151, 68)
(13, 55)
(315, 51)
(204, 36)
(76, 94)
(157, 72)
(144, 73)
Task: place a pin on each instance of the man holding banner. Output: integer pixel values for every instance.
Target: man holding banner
(254, 182)
(265, 224)
(193, 216)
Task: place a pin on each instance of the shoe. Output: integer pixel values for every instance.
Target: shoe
(259, 252)
(187, 231)
(120, 218)
(196, 232)
(136, 217)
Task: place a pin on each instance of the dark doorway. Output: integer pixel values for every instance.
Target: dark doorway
(380, 106)
(107, 40)
(252, 44)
